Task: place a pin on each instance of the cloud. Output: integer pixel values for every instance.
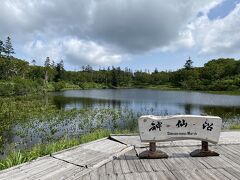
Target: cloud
(76, 51)
(140, 25)
(222, 35)
(104, 32)
(89, 52)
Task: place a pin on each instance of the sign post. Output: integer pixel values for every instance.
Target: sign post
(179, 127)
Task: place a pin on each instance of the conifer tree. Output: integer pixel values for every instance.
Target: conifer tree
(2, 49)
(8, 49)
(188, 64)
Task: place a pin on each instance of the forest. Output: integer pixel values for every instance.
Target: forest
(19, 77)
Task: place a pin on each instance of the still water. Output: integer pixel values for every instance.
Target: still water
(153, 102)
(111, 109)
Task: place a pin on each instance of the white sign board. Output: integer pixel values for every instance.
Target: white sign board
(179, 127)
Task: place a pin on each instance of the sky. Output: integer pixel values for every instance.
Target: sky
(139, 34)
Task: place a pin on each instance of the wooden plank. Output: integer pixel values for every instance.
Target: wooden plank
(153, 164)
(194, 161)
(10, 174)
(229, 150)
(234, 159)
(227, 174)
(19, 175)
(235, 148)
(137, 176)
(120, 177)
(210, 174)
(27, 167)
(109, 168)
(229, 162)
(178, 161)
(129, 158)
(171, 164)
(169, 175)
(203, 175)
(180, 175)
(193, 173)
(102, 170)
(92, 153)
(136, 160)
(49, 169)
(233, 172)
(80, 174)
(81, 147)
(36, 171)
(215, 162)
(146, 165)
(144, 175)
(117, 167)
(111, 177)
(43, 167)
(124, 164)
(94, 175)
(153, 176)
(129, 176)
(165, 175)
(219, 174)
(61, 173)
(183, 160)
(86, 177)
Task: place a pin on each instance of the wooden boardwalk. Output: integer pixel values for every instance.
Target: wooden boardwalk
(116, 158)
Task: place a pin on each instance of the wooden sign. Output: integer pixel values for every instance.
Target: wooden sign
(179, 127)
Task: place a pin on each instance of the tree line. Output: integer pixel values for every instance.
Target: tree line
(19, 77)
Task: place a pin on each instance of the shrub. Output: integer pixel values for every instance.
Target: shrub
(58, 86)
(22, 86)
(6, 88)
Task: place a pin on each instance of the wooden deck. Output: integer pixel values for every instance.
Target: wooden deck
(116, 158)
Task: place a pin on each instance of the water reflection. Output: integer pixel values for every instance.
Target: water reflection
(152, 101)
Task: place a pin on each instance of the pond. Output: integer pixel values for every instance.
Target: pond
(153, 102)
(26, 122)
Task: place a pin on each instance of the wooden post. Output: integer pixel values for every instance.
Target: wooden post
(204, 152)
(204, 145)
(152, 146)
(152, 153)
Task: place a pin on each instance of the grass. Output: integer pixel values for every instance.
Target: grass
(18, 157)
(224, 92)
(234, 126)
(163, 87)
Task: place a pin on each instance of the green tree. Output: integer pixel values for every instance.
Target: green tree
(33, 62)
(47, 65)
(47, 62)
(188, 64)
(155, 71)
(8, 47)
(59, 71)
(2, 49)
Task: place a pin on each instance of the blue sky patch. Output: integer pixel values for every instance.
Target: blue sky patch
(223, 9)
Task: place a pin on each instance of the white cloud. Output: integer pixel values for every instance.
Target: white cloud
(76, 51)
(89, 52)
(104, 32)
(222, 35)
